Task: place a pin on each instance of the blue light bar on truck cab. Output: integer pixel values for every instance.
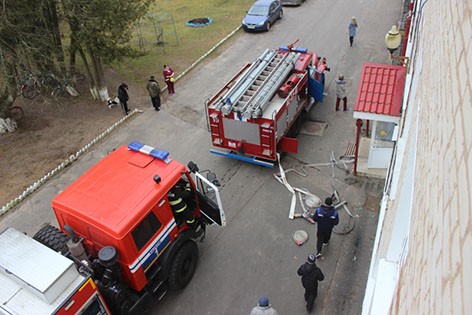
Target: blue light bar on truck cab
(154, 152)
(295, 49)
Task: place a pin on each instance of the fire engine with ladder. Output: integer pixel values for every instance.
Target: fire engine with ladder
(120, 240)
(259, 112)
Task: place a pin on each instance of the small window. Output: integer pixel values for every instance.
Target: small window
(94, 308)
(145, 230)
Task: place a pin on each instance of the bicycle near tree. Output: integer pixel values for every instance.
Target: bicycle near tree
(16, 112)
(29, 86)
(62, 88)
(49, 84)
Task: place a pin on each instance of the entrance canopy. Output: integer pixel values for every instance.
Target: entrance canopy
(380, 93)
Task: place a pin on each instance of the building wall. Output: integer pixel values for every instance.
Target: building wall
(433, 272)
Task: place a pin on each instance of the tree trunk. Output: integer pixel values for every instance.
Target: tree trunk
(56, 36)
(99, 90)
(7, 93)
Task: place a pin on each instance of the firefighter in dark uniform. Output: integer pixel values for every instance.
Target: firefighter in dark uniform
(182, 204)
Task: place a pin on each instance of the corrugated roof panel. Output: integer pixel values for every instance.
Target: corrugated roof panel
(381, 89)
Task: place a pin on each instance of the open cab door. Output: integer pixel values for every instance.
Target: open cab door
(209, 199)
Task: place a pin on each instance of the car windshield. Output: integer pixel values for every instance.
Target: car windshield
(259, 10)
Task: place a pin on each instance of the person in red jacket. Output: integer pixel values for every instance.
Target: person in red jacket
(169, 79)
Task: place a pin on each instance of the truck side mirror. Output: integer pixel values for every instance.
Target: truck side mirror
(212, 178)
(192, 167)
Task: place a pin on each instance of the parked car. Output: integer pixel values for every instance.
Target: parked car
(262, 15)
(292, 2)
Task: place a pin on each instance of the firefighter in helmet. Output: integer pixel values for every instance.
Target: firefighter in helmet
(182, 203)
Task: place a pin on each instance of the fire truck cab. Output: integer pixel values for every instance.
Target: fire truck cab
(117, 222)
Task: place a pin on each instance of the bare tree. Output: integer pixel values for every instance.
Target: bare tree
(100, 33)
(30, 41)
(31, 35)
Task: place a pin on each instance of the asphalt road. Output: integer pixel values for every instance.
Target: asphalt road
(255, 254)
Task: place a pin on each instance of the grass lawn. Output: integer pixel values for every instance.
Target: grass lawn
(183, 44)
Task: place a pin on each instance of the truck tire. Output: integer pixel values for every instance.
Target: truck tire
(183, 266)
(53, 238)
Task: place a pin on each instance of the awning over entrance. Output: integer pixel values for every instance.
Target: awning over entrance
(380, 92)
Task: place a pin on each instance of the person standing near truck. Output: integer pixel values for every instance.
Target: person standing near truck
(180, 199)
(326, 217)
(341, 92)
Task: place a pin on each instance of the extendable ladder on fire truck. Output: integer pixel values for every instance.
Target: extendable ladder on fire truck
(252, 92)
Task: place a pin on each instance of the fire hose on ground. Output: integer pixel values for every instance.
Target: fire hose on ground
(303, 194)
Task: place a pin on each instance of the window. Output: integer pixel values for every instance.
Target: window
(95, 307)
(145, 230)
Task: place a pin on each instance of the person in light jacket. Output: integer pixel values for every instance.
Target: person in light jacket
(352, 28)
(263, 308)
(341, 92)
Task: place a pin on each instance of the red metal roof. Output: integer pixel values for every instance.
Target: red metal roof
(381, 89)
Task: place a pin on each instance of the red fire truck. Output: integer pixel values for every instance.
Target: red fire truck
(259, 112)
(131, 226)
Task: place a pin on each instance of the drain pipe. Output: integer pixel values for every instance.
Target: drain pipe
(358, 137)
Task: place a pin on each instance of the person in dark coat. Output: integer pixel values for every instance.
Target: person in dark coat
(181, 202)
(326, 217)
(311, 274)
(154, 92)
(123, 97)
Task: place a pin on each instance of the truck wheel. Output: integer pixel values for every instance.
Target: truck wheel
(53, 238)
(183, 266)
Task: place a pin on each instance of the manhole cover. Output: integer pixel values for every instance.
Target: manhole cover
(199, 22)
(313, 128)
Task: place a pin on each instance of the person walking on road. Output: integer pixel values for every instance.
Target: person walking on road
(263, 308)
(352, 28)
(169, 79)
(326, 217)
(341, 92)
(123, 97)
(311, 274)
(154, 92)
